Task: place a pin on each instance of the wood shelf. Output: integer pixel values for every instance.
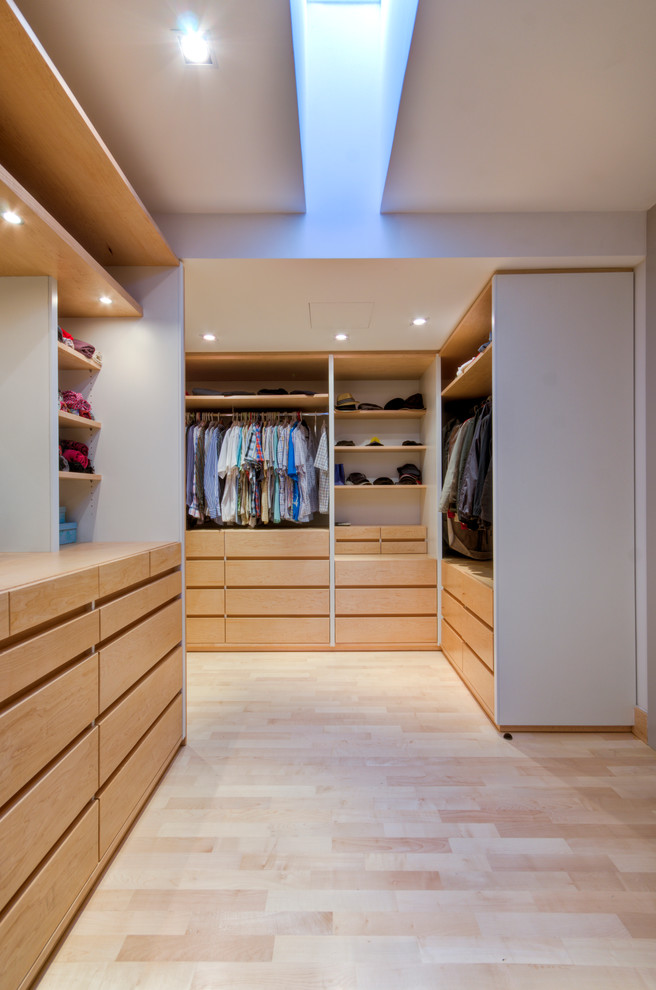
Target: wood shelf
(70, 360)
(78, 476)
(382, 448)
(258, 403)
(41, 246)
(475, 382)
(379, 413)
(73, 422)
(378, 488)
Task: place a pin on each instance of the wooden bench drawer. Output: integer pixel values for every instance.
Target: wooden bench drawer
(452, 645)
(479, 677)
(122, 796)
(33, 917)
(47, 600)
(285, 543)
(206, 630)
(375, 573)
(205, 573)
(277, 601)
(205, 601)
(392, 631)
(127, 658)
(277, 574)
(165, 558)
(124, 725)
(39, 726)
(386, 601)
(36, 658)
(120, 574)
(204, 543)
(134, 606)
(476, 594)
(275, 631)
(31, 826)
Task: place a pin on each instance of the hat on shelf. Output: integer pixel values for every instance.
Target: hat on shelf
(415, 401)
(357, 478)
(409, 474)
(394, 404)
(345, 443)
(272, 391)
(411, 443)
(368, 405)
(374, 442)
(345, 401)
(383, 481)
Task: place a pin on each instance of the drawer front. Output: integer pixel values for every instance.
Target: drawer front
(33, 917)
(120, 574)
(205, 631)
(346, 547)
(277, 601)
(132, 607)
(127, 658)
(368, 533)
(403, 546)
(205, 573)
(455, 613)
(34, 823)
(452, 579)
(394, 631)
(403, 532)
(479, 677)
(121, 798)
(37, 728)
(47, 600)
(275, 631)
(481, 639)
(164, 558)
(285, 543)
(204, 543)
(386, 601)
(4, 615)
(478, 597)
(277, 574)
(122, 727)
(374, 573)
(452, 645)
(36, 658)
(205, 601)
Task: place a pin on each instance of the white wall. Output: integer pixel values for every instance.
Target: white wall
(138, 397)
(564, 499)
(648, 530)
(28, 396)
(642, 615)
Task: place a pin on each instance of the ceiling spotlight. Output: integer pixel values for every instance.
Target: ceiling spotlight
(420, 321)
(341, 336)
(105, 300)
(195, 47)
(208, 336)
(11, 217)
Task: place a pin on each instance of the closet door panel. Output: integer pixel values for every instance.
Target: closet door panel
(563, 426)
(278, 631)
(205, 573)
(277, 601)
(277, 573)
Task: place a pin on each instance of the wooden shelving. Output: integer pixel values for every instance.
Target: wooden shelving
(70, 360)
(379, 488)
(78, 476)
(73, 422)
(379, 413)
(258, 403)
(475, 382)
(379, 449)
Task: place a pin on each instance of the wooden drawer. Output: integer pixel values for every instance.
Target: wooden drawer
(132, 607)
(204, 543)
(205, 631)
(386, 630)
(164, 558)
(120, 574)
(34, 823)
(375, 573)
(277, 601)
(481, 639)
(4, 616)
(277, 574)
(455, 613)
(284, 543)
(127, 658)
(452, 645)
(350, 533)
(34, 659)
(205, 573)
(31, 920)
(476, 594)
(386, 601)
(479, 677)
(48, 600)
(123, 726)
(122, 796)
(346, 547)
(403, 533)
(403, 546)
(205, 601)
(276, 631)
(39, 726)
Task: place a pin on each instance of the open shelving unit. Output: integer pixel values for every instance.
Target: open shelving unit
(73, 422)
(78, 476)
(259, 403)
(475, 381)
(70, 360)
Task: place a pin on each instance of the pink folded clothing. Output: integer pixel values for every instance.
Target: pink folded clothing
(74, 402)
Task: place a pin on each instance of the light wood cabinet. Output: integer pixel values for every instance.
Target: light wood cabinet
(121, 574)
(39, 603)
(467, 636)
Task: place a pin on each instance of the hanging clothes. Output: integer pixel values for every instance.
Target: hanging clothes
(466, 496)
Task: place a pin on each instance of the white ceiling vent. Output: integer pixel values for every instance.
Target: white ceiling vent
(341, 315)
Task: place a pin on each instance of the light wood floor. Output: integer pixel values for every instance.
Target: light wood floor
(353, 822)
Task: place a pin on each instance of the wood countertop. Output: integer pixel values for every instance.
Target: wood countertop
(19, 569)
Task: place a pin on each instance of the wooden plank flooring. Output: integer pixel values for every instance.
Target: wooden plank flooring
(353, 822)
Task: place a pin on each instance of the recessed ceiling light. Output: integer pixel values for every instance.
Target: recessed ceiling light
(341, 336)
(208, 336)
(420, 321)
(11, 217)
(105, 300)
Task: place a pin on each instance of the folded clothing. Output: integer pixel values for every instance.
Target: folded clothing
(76, 456)
(87, 349)
(74, 402)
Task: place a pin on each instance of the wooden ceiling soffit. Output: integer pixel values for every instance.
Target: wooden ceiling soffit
(41, 246)
(53, 150)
